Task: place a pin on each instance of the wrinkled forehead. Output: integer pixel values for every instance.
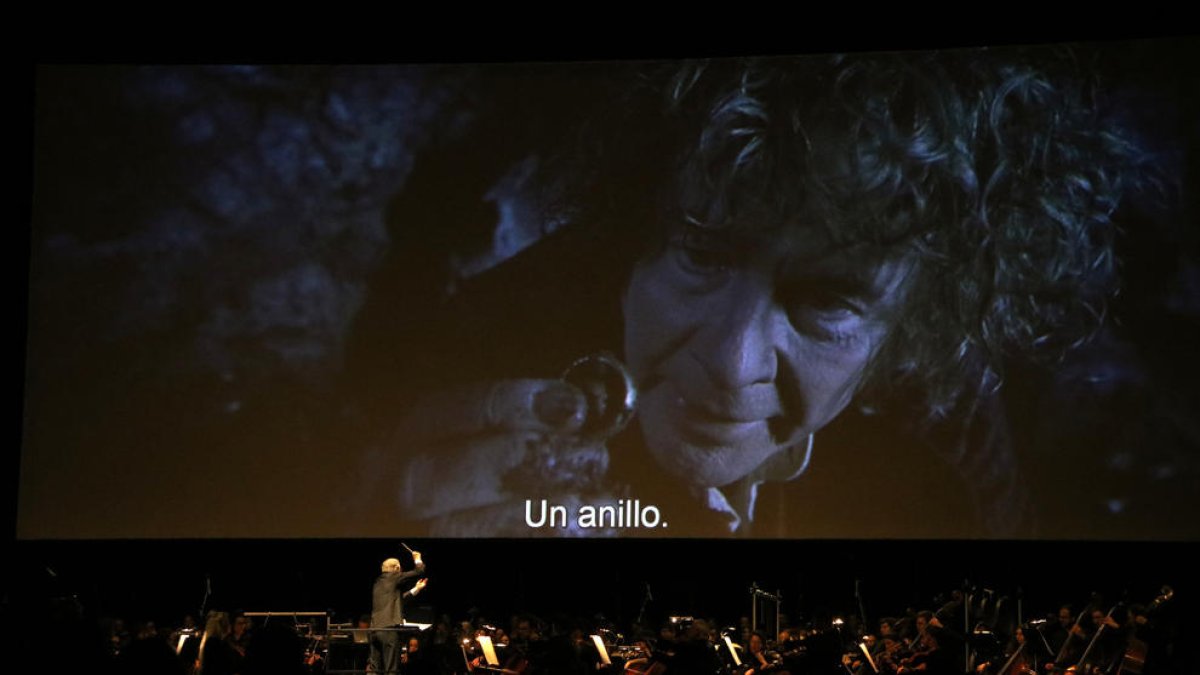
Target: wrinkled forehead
(874, 271)
(809, 255)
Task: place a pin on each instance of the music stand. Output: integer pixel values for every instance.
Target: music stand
(596, 640)
(489, 656)
(360, 636)
(737, 660)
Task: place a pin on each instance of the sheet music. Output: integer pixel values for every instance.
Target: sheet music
(489, 651)
(733, 652)
(600, 648)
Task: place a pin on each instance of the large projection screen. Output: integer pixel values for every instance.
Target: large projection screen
(948, 294)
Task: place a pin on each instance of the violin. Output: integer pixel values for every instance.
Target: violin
(921, 647)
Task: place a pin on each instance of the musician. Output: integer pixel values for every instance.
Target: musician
(923, 649)
(240, 637)
(945, 626)
(760, 659)
(644, 658)
(387, 612)
(891, 653)
(1067, 638)
(854, 660)
(1155, 630)
(793, 649)
(415, 661)
(526, 640)
(1059, 631)
(524, 631)
(694, 652)
(217, 656)
(889, 647)
(1106, 642)
(744, 631)
(1020, 658)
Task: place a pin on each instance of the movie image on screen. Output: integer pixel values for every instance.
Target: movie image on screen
(926, 294)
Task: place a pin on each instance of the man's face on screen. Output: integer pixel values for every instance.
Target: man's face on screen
(743, 346)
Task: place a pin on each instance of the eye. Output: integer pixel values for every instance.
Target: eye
(821, 310)
(821, 299)
(833, 304)
(702, 254)
(704, 262)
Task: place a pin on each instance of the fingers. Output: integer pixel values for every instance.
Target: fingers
(473, 446)
(547, 406)
(465, 476)
(494, 469)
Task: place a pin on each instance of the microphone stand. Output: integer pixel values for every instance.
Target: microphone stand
(646, 598)
(862, 612)
(967, 633)
(207, 594)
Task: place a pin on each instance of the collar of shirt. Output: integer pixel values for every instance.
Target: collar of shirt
(735, 502)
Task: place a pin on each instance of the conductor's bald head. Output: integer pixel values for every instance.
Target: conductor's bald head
(391, 565)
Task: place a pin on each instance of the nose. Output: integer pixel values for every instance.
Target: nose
(738, 346)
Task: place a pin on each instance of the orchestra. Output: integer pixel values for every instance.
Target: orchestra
(1103, 639)
(965, 631)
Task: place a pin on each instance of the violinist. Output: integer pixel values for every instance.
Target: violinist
(239, 639)
(891, 657)
(647, 660)
(788, 640)
(891, 649)
(856, 661)
(924, 647)
(792, 649)
(526, 644)
(761, 659)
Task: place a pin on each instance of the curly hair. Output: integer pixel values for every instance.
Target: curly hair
(999, 173)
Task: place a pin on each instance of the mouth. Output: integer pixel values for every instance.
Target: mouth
(700, 429)
(716, 422)
(706, 443)
(736, 422)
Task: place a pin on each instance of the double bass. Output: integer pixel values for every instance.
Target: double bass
(1134, 660)
(1082, 665)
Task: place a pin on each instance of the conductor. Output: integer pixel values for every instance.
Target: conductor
(386, 613)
